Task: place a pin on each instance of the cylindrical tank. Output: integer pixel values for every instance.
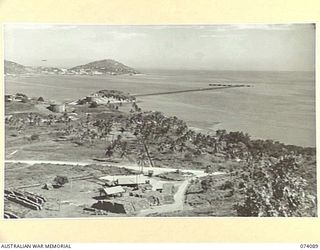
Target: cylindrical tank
(58, 108)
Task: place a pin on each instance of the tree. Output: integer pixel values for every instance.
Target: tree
(123, 149)
(25, 99)
(21, 94)
(109, 151)
(93, 105)
(34, 137)
(236, 137)
(60, 180)
(275, 190)
(142, 159)
(221, 133)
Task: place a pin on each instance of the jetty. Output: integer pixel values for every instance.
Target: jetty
(213, 86)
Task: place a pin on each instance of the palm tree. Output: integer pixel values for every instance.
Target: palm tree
(142, 159)
(123, 148)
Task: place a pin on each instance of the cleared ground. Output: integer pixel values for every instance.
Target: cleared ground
(84, 184)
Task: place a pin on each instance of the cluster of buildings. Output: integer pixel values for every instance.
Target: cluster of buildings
(84, 72)
(131, 194)
(54, 107)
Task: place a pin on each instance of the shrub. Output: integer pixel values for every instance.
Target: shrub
(34, 137)
(20, 94)
(93, 105)
(81, 102)
(227, 185)
(40, 99)
(188, 156)
(25, 100)
(61, 180)
(221, 168)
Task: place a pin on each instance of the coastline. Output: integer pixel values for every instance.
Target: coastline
(136, 138)
(247, 111)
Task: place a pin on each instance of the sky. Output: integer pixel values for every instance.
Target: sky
(273, 47)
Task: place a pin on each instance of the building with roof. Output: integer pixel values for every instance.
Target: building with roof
(130, 181)
(116, 191)
(129, 205)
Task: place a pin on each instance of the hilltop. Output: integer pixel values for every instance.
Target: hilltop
(107, 66)
(101, 67)
(106, 97)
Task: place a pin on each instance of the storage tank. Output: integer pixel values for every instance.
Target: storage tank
(58, 108)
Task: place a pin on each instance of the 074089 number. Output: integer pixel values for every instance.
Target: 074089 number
(309, 246)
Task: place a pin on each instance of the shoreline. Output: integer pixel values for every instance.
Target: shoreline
(257, 126)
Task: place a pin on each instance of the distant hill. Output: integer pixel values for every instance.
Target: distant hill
(14, 68)
(102, 67)
(107, 66)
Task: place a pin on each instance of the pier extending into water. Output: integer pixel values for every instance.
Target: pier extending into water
(213, 86)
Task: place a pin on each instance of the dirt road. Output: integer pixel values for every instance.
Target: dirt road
(179, 198)
(156, 170)
(32, 162)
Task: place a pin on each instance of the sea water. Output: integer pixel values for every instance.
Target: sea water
(278, 105)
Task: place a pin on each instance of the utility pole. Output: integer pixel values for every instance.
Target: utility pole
(147, 151)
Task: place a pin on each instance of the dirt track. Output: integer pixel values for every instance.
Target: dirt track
(179, 198)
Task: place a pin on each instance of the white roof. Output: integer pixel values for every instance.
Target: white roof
(113, 190)
(129, 181)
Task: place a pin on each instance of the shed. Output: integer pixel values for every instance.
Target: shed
(130, 182)
(112, 191)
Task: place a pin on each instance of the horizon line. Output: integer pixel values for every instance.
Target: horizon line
(168, 68)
